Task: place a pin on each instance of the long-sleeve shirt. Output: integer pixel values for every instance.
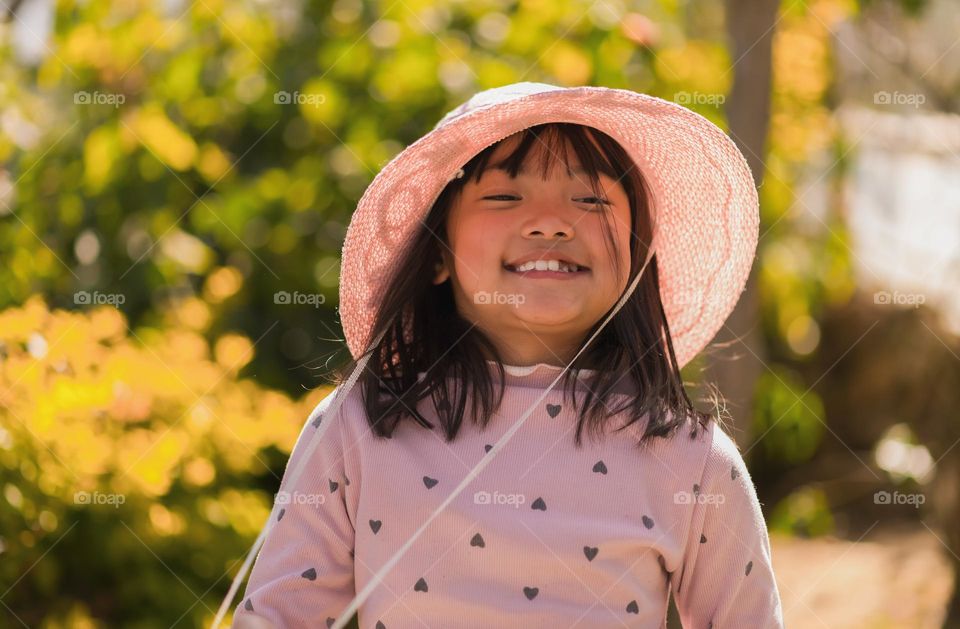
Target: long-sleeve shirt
(547, 535)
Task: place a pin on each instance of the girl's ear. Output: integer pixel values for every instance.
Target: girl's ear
(441, 272)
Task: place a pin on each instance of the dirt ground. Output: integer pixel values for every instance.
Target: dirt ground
(895, 576)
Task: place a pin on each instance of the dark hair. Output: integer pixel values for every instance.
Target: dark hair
(433, 338)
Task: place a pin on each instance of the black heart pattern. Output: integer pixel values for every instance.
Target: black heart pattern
(477, 540)
(330, 621)
(317, 421)
(430, 482)
(488, 447)
(310, 574)
(553, 410)
(280, 515)
(600, 467)
(539, 504)
(749, 567)
(375, 526)
(531, 593)
(590, 552)
(421, 585)
(248, 605)
(633, 608)
(346, 480)
(380, 625)
(734, 473)
(333, 486)
(696, 490)
(703, 538)
(647, 522)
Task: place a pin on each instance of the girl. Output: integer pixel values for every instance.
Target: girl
(503, 252)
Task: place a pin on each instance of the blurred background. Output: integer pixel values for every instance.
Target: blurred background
(175, 182)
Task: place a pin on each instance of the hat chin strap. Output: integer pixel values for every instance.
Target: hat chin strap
(364, 594)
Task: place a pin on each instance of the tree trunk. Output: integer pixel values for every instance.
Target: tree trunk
(750, 27)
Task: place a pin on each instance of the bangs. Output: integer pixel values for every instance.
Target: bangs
(552, 143)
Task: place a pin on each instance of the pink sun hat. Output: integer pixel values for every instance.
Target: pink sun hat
(702, 194)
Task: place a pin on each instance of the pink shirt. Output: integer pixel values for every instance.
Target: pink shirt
(548, 535)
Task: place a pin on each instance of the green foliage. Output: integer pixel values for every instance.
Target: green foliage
(804, 512)
(788, 419)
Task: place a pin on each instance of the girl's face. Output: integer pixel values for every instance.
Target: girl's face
(497, 223)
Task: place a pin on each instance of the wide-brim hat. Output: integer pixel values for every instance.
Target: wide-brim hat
(702, 193)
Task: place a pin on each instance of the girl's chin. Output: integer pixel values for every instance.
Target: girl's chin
(546, 315)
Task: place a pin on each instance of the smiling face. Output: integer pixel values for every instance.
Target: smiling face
(499, 222)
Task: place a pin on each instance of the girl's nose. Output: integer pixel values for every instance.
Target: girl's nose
(544, 221)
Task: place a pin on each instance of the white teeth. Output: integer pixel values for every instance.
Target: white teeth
(547, 265)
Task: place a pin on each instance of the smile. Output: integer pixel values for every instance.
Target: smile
(551, 269)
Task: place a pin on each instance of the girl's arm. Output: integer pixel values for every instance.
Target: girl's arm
(726, 579)
(303, 575)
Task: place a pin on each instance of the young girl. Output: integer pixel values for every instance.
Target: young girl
(533, 271)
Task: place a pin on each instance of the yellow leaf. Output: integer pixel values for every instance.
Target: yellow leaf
(99, 152)
(213, 164)
(164, 139)
(233, 351)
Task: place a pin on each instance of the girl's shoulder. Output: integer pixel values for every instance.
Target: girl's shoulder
(724, 457)
(706, 449)
(340, 407)
(715, 450)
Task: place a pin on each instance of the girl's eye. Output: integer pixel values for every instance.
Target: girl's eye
(595, 201)
(494, 197)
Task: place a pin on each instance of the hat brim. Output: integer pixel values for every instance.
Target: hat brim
(703, 193)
